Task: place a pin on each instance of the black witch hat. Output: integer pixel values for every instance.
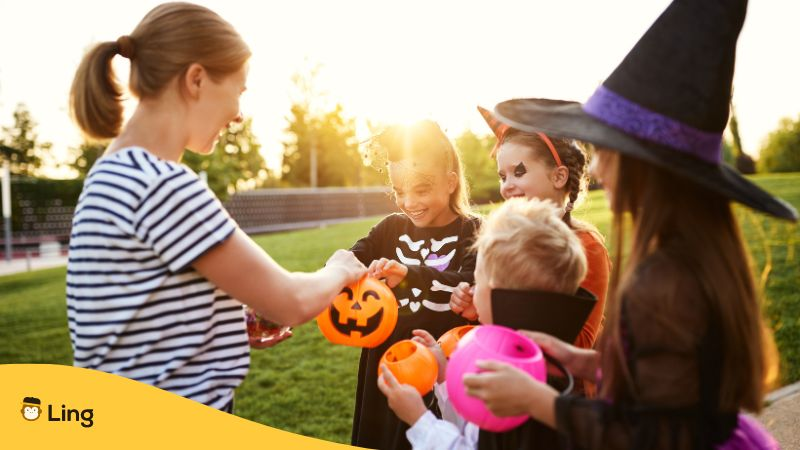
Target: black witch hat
(667, 103)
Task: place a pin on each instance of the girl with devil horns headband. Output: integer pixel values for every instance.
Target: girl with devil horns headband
(535, 165)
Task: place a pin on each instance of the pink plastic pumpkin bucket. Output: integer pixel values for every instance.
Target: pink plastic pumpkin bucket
(490, 342)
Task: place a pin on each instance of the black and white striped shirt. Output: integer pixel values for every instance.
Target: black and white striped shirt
(136, 307)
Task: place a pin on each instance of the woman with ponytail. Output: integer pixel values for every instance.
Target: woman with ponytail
(157, 269)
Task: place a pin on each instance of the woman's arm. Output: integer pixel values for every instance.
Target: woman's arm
(247, 273)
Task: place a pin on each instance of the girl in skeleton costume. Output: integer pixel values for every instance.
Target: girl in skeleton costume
(422, 253)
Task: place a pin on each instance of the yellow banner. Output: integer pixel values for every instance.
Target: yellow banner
(52, 406)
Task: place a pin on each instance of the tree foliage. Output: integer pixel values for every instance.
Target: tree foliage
(20, 143)
(235, 164)
(327, 134)
(781, 151)
(86, 155)
(479, 167)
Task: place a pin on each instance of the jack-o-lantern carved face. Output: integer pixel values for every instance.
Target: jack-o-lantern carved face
(362, 315)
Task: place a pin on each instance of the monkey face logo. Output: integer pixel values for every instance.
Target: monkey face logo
(31, 408)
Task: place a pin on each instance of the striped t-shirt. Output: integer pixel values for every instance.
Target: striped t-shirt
(136, 307)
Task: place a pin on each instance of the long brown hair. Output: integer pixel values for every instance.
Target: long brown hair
(425, 143)
(662, 207)
(169, 38)
(573, 157)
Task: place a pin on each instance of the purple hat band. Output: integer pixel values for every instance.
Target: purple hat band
(622, 114)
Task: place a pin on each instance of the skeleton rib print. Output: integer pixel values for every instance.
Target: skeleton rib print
(429, 258)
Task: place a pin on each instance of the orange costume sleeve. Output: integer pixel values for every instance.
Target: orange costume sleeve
(596, 282)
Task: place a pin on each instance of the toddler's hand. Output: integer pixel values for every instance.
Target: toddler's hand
(404, 400)
(426, 339)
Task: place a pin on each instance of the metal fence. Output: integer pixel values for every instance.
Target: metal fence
(257, 211)
(267, 210)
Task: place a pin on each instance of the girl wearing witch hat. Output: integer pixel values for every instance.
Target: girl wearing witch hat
(685, 348)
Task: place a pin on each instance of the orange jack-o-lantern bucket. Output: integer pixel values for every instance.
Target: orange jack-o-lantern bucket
(449, 340)
(411, 363)
(364, 314)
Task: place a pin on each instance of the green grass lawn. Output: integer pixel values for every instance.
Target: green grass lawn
(307, 386)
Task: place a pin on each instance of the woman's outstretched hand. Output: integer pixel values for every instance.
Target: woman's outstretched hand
(345, 260)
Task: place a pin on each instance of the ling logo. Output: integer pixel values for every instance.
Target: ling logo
(31, 408)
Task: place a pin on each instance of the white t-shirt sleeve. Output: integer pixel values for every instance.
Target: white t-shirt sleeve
(181, 219)
(430, 433)
(445, 406)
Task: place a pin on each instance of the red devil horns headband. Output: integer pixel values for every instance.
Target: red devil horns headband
(500, 130)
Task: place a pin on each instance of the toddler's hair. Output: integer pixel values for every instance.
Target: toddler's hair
(525, 245)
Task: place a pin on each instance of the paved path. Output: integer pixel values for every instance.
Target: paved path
(23, 265)
(782, 417)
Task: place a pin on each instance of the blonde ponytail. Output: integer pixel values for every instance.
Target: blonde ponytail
(96, 96)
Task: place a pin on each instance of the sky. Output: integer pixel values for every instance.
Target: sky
(390, 61)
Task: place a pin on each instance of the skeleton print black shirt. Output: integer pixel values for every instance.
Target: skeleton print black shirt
(438, 259)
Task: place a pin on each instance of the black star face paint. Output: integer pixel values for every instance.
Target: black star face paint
(520, 169)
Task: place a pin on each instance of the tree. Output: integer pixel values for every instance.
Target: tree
(781, 151)
(479, 167)
(20, 143)
(87, 154)
(339, 162)
(320, 130)
(297, 151)
(235, 164)
(744, 163)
